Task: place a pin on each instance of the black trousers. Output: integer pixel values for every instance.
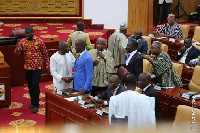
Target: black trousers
(164, 10)
(33, 80)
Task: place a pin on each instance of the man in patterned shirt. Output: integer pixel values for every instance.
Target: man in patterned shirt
(162, 68)
(170, 29)
(34, 54)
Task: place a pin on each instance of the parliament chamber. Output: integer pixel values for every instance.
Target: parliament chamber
(57, 109)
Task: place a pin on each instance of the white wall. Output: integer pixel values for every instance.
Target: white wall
(108, 12)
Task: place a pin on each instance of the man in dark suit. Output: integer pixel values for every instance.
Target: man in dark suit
(144, 82)
(134, 61)
(114, 88)
(83, 69)
(142, 43)
(187, 52)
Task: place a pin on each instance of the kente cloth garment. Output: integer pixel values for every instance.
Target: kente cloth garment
(35, 53)
(163, 69)
(138, 107)
(78, 35)
(174, 31)
(61, 66)
(102, 71)
(116, 45)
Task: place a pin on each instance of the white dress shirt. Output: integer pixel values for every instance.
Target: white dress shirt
(182, 60)
(129, 58)
(61, 66)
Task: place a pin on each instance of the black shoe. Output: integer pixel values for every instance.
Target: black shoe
(35, 110)
(160, 22)
(31, 106)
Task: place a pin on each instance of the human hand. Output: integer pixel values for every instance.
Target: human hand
(95, 62)
(99, 101)
(67, 79)
(100, 54)
(181, 49)
(82, 91)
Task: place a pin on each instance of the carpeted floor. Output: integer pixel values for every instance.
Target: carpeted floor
(18, 113)
(46, 31)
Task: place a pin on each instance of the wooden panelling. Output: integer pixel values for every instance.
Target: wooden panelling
(140, 16)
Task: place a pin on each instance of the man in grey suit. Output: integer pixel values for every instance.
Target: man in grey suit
(114, 88)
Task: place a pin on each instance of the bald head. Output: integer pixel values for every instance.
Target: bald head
(102, 40)
(187, 42)
(144, 79)
(138, 34)
(80, 45)
(114, 81)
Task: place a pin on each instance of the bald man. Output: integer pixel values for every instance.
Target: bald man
(144, 82)
(114, 88)
(170, 29)
(103, 64)
(142, 43)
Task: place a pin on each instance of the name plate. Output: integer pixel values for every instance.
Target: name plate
(81, 102)
(184, 95)
(99, 112)
(172, 40)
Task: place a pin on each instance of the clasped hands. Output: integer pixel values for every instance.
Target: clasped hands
(67, 79)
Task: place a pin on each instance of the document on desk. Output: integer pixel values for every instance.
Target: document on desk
(70, 98)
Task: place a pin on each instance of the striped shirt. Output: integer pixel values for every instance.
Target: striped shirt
(174, 31)
(35, 53)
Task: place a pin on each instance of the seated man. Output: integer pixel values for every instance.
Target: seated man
(114, 88)
(61, 64)
(103, 64)
(138, 108)
(142, 43)
(144, 82)
(134, 61)
(170, 29)
(187, 52)
(79, 34)
(162, 67)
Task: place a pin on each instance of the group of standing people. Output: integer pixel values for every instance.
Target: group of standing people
(93, 68)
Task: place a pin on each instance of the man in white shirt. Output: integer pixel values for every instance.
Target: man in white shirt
(187, 52)
(61, 64)
(114, 88)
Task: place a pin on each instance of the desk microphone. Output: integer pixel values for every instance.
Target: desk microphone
(180, 94)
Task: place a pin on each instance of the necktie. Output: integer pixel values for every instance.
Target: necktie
(77, 59)
(112, 92)
(127, 58)
(183, 54)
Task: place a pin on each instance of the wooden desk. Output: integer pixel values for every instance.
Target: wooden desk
(16, 62)
(62, 111)
(170, 99)
(5, 80)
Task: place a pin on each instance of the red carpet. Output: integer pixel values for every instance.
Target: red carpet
(18, 113)
(46, 30)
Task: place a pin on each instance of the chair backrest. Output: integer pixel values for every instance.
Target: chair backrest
(146, 66)
(185, 30)
(148, 39)
(164, 48)
(194, 84)
(196, 36)
(183, 119)
(121, 72)
(178, 68)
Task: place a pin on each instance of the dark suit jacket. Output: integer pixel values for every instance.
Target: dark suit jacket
(193, 53)
(151, 92)
(142, 44)
(108, 93)
(135, 65)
